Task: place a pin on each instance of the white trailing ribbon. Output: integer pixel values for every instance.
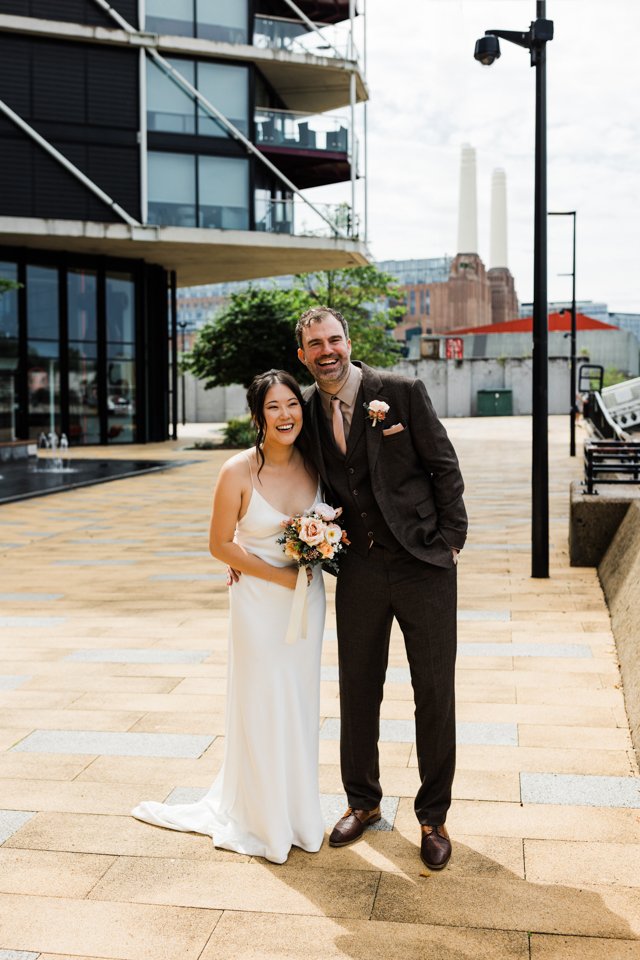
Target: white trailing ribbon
(298, 615)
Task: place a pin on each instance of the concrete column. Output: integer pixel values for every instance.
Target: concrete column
(498, 256)
(468, 209)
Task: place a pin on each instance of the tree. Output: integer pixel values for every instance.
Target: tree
(254, 333)
(257, 329)
(368, 300)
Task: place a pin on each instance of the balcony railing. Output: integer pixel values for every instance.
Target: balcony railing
(295, 218)
(300, 131)
(294, 36)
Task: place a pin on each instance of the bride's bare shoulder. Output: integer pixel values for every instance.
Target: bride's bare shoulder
(239, 466)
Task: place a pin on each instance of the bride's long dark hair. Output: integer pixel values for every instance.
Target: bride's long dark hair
(255, 398)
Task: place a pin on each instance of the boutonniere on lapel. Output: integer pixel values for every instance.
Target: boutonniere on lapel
(377, 410)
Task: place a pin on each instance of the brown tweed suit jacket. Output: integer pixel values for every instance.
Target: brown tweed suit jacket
(415, 475)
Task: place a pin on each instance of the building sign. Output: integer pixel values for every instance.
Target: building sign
(454, 348)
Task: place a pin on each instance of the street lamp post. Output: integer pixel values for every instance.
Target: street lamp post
(573, 407)
(183, 324)
(487, 51)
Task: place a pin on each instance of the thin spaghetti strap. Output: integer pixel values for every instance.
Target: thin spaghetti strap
(248, 459)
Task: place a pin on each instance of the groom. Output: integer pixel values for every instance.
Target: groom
(387, 461)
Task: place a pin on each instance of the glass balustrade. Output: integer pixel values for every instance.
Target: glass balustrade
(294, 217)
(294, 36)
(300, 131)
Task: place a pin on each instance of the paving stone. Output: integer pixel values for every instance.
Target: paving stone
(492, 615)
(93, 563)
(12, 682)
(115, 835)
(580, 790)
(169, 577)
(574, 862)
(508, 904)
(11, 821)
(123, 931)
(32, 621)
(545, 947)
(182, 553)
(403, 731)
(43, 873)
(121, 541)
(574, 651)
(257, 936)
(114, 744)
(30, 597)
(236, 886)
(150, 655)
(18, 955)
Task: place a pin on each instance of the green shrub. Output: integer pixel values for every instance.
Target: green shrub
(239, 432)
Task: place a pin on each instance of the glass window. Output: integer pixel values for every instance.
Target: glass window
(8, 302)
(172, 189)
(226, 87)
(82, 308)
(121, 380)
(8, 352)
(224, 192)
(169, 107)
(223, 20)
(43, 384)
(43, 321)
(170, 16)
(120, 292)
(84, 420)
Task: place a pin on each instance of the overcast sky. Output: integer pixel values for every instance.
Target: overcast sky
(429, 96)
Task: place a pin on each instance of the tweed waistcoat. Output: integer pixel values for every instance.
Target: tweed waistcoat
(351, 483)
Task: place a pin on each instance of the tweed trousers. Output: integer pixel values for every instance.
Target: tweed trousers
(370, 592)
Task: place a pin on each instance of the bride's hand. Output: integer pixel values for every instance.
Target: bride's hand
(232, 576)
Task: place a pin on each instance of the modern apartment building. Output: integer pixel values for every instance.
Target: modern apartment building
(151, 144)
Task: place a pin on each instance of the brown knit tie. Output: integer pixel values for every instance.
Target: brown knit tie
(338, 425)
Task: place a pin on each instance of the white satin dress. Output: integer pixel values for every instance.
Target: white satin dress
(266, 796)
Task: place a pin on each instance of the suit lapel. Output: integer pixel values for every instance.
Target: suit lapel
(312, 428)
(371, 390)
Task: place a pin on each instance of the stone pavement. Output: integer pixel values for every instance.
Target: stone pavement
(112, 690)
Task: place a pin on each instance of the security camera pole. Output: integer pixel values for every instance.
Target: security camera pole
(487, 51)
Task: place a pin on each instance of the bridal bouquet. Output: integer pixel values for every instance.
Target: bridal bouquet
(314, 537)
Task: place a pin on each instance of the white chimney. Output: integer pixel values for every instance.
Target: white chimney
(468, 210)
(498, 219)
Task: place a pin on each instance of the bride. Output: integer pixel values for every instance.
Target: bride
(265, 798)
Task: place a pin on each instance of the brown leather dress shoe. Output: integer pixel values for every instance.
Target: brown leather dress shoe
(435, 847)
(352, 825)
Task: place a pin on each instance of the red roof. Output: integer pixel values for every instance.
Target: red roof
(558, 322)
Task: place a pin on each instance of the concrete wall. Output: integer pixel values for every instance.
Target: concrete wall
(211, 406)
(453, 384)
(619, 574)
(611, 348)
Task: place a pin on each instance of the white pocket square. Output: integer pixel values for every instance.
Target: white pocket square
(389, 431)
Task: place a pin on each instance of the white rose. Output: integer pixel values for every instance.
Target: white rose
(324, 511)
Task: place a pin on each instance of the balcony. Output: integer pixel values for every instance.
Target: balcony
(328, 11)
(294, 217)
(310, 149)
(294, 36)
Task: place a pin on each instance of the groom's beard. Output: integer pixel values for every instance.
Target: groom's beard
(330, 376)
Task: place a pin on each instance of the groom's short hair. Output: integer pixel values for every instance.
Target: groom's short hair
(314, 315)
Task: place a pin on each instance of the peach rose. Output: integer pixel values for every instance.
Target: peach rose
(325, 549)
(312, 531)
